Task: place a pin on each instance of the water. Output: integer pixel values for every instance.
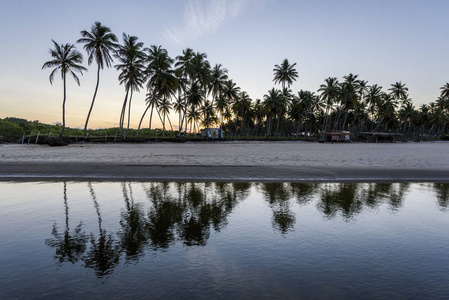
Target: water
(223, 240)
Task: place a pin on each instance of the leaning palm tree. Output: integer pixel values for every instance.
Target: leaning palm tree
(131, 64)
(99, 43)
(66, 59)
(285, 73)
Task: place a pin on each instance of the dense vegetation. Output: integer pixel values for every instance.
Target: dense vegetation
(202, 95)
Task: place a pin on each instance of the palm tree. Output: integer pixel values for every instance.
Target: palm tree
(218, 78)
(285, 73)
(131, 64)
(164, 106)
(399, 91)
(271, 102)
(99, 43)
(162, 82)
(66, 59)
(184, 71)
(329, 92)
(445, 91)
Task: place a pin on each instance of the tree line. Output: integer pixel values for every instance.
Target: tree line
(202, 95)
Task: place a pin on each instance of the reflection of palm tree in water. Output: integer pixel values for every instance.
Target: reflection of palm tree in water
(442, 194)
(191, 213)
(341, 197)
(69, 246)
(134, 233)
(278, 196)
(163, 216)
(393, 192)
(104, 253)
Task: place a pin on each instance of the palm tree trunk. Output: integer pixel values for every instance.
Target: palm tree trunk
(277, 124)
(63, 109)
(141, 119)
(151, 116)
(93, 100)
(122, 114)
(168, 118)
(129, 110)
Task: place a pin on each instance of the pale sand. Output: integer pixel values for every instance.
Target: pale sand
(293, 161)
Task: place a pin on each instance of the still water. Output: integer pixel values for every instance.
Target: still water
(119, 240)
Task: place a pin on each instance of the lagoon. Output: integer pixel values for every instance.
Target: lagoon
(173, 240)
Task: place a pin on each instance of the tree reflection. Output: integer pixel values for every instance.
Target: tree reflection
(166, 212)
(339, 197)
(104, 252)
(442, 194)
(187, 213)
(278, 197)
(303, 192)
(392, 192)
(70, 246)
(134, 233)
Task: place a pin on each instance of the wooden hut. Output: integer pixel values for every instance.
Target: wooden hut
(338, 136)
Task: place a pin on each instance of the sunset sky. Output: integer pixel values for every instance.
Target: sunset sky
(381, 41)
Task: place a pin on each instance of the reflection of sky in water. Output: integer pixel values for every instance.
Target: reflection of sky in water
(227, 239)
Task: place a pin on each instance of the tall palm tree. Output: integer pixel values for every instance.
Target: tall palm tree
(218, 78)
(99, 43)
(162, 81)
(271, 102)
(131, 64)
(399, 91)
(329, 92)
(184, 71)
(66, 59)
(285, 73)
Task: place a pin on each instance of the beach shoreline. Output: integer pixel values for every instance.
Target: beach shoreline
(229, 161)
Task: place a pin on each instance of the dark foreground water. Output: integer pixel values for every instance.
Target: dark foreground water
(116, 240)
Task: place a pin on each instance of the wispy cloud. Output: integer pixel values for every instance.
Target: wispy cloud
(203, 17)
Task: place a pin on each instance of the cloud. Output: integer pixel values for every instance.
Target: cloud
(203, 17)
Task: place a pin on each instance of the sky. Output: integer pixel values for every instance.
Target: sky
(381, 41)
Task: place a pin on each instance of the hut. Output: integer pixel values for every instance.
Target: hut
(214, 133)
(338, 136)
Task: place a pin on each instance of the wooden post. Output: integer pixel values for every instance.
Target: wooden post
(23, 137)
(115, 136)
(106, 138)
(29, 139)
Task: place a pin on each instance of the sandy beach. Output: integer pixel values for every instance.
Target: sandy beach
(230, 161)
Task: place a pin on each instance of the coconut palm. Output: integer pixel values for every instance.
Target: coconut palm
(66, 59)
(218, 78)
(285, 73)
(329, 92)
(131, 64)
(348, 98)
(99, 43)
(445, 91)
(162, 82)
(271, 102)
(184, 71)
(164, 107)
(399, 91)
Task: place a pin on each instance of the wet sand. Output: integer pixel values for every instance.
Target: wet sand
(228, 161)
